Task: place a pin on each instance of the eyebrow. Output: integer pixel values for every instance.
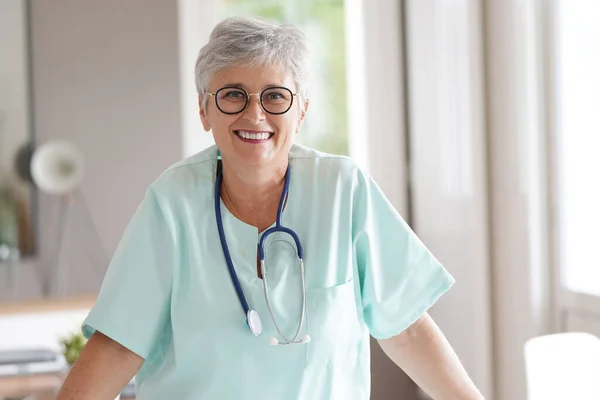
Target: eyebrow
(241, 85)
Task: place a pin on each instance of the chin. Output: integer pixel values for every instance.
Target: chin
(253, 160)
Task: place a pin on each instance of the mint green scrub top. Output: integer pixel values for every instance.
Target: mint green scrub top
(168, 296)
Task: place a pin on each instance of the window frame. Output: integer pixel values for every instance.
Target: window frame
(567, 302)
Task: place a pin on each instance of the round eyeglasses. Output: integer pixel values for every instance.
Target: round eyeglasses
(233, 100)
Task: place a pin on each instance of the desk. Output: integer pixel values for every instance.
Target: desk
(38, 324)
(42, 387)
(46, 305)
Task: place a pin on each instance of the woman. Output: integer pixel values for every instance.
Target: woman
(198, 310)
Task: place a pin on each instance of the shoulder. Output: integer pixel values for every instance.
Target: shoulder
(305, 154)
(191, 176)
(327, 167)
(341, 179)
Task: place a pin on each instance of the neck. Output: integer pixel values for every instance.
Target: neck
(253, 195)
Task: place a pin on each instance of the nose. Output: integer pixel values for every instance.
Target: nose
(254, 112)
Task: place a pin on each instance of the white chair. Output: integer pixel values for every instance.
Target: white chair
(563, 366)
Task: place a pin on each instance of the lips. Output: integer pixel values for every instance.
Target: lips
(254, 135)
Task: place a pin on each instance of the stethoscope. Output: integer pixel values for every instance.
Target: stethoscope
(252, 318)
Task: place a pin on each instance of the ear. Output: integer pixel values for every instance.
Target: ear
(203, 113)
(303, 112)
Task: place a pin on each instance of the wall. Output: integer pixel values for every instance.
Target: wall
(448, 169)
(105, 76)
(522, 279)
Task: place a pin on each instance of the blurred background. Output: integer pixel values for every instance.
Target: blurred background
(478, 118)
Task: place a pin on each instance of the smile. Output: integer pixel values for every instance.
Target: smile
(253, 136)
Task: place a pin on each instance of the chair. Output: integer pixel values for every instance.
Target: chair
(563, 366)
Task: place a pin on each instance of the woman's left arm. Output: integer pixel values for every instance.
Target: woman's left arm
(423, 352)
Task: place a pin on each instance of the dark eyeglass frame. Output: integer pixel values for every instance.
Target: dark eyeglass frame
(260, 97)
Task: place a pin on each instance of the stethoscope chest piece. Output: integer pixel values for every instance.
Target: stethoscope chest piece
(254, 323)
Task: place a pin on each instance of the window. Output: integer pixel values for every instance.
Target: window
(577, 82)
(326, 124)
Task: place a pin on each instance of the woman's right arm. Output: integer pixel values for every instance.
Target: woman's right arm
(101, 371)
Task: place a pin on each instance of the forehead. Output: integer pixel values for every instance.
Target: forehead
(252, 78)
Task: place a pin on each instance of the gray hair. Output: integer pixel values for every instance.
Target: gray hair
(254, 43)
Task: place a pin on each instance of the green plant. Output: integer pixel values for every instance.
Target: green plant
(9, 224)
(72, 346)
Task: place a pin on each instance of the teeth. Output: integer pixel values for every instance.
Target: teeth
(254, 136)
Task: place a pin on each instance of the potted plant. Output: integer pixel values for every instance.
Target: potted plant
(72, 346)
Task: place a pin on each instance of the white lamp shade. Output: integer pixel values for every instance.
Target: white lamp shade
(57, 167)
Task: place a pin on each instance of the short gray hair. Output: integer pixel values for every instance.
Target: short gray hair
(253, 42)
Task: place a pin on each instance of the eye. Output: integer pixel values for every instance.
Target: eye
(234, 94)
(276, 96)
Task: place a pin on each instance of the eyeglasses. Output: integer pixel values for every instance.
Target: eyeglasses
(274, 100)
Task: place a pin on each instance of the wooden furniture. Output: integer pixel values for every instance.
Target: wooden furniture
(39, 387)
(38, 324)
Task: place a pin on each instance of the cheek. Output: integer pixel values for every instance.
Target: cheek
(222, 123)
(287, 124)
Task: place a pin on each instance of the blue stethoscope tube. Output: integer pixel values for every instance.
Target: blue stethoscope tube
(252, 317)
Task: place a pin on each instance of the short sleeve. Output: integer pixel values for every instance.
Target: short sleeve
(133, 304)
(400, 279)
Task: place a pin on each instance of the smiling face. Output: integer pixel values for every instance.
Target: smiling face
(253, 137)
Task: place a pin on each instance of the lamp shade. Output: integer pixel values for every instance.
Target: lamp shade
(57, 167)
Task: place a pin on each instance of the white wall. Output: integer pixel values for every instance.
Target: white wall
(106, 76)
(448, 169)
(522, 280)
